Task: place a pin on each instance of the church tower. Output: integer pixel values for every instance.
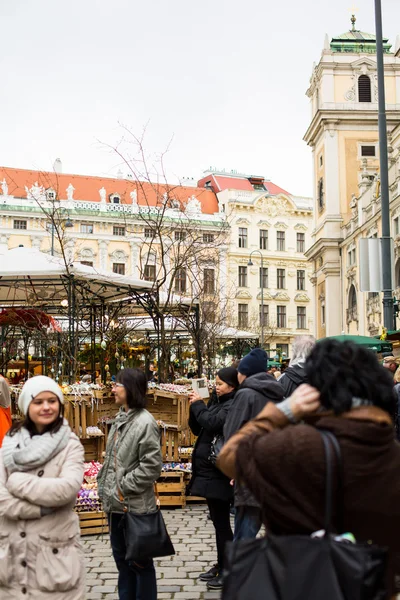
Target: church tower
(343, 136)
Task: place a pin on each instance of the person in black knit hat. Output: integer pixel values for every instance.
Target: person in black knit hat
(207, 481)
(257, 388)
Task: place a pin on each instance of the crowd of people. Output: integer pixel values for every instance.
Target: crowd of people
(258, 455)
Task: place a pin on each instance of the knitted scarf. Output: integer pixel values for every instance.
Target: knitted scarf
(21, 452)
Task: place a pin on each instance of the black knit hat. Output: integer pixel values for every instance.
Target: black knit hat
(229, 376)
(255, 362)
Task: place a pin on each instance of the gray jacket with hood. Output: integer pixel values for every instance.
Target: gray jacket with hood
(133, 463)
(250, 399)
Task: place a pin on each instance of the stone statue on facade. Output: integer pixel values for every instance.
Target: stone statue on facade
(193, 206)
(35, 192)
(135, 207)
(103, 193)
(354, 206)
(4, 187)
(70, 192)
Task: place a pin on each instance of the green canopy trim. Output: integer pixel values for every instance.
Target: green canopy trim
(368, 342)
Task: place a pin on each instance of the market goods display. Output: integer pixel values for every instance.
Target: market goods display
(88, 499)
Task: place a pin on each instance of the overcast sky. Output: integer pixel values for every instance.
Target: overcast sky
(225, 79)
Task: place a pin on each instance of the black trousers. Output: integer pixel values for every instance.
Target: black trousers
(220, 516)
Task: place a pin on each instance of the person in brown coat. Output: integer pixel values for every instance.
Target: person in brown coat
(282, 460)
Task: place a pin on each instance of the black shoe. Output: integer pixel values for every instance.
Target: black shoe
(211, 574)
(216, 583)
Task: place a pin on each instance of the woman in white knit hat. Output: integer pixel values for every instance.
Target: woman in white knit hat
(41, 471)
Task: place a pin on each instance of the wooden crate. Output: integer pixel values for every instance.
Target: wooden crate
(171, 409)
(92, 523)
(172, 489)
(94, 448)
(170, 444)
(81, 415)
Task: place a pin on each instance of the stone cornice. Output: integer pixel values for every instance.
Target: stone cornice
(320, 245)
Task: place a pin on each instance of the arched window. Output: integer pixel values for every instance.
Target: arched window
(352, 306)
(321, 194)
(364, 89)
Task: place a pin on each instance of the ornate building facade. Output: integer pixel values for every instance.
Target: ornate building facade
(269, 223)
(343, 136)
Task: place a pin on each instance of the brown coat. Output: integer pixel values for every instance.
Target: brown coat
(284, 466)
(41, 558)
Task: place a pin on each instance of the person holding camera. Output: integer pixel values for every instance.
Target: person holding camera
(207, 422)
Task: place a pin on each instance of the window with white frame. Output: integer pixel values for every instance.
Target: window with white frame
(301, 242)
(119, 230)
(243, 315)
(281, 317)
(264, 315)
(280, 241)
(20, 224)
(280, 279)
(242, 273)
(301, 317)
(180, 280)
(263, 239)
(119, 268)
(87, 228)
(209, 281)
(301, 279)
(242, 241)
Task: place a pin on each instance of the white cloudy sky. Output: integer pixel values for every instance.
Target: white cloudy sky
(225, 79)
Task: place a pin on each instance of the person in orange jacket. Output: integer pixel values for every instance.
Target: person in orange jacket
(5, 408)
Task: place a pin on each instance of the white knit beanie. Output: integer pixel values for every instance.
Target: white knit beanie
(33, 387)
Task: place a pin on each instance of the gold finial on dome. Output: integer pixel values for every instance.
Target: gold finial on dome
(353, 11)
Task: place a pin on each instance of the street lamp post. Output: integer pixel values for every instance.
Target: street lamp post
(250, 264)
(68, 223)
(388, 317)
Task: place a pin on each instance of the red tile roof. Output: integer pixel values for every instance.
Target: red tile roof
(87, 188)
(225, 182)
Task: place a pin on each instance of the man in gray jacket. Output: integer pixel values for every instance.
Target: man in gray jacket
(257, 388)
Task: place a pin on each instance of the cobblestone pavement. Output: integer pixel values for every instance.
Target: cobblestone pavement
(177, 576)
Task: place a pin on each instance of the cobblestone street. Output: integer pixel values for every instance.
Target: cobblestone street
(177, 576)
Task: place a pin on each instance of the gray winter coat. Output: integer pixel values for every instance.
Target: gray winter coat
(133, 459)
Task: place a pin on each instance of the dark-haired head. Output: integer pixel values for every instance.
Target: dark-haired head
(346, 375)
(135, 386)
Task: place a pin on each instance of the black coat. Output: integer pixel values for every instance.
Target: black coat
(292, 378)
(250, 399)
(206, 421)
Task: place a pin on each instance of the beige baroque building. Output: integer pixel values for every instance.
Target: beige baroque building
(266, 221)
(343, 136)
(110, 222)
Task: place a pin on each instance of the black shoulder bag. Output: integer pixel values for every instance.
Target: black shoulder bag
(216, 446)
(299, 567)
(146, 535)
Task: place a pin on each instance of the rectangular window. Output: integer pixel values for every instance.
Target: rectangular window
(281, 317)
(264, 315)
(351, 257)
(20, 224)
(149, 272)
(396, 226)
(301, 317)
(280, 279)
(88, 263)
(368, 151)
(322, 314)
(301, 280)
(180, 236)
(118, 230)
(242, 237)
(119, 268)
(263, 239)
(208, 238)
(280, 241)
(149, 233)
(86, 227)
(243, 315)
(301, 242)
(209, 281)
(180, 280)
(264, 277)
(242, 276)
(284, 350)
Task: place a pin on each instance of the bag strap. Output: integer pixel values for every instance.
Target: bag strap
(329, 441)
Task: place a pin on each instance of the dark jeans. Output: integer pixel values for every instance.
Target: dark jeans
(136, 581)
(220, 516)
(247, 522)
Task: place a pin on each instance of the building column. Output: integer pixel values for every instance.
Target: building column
(103, 247)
